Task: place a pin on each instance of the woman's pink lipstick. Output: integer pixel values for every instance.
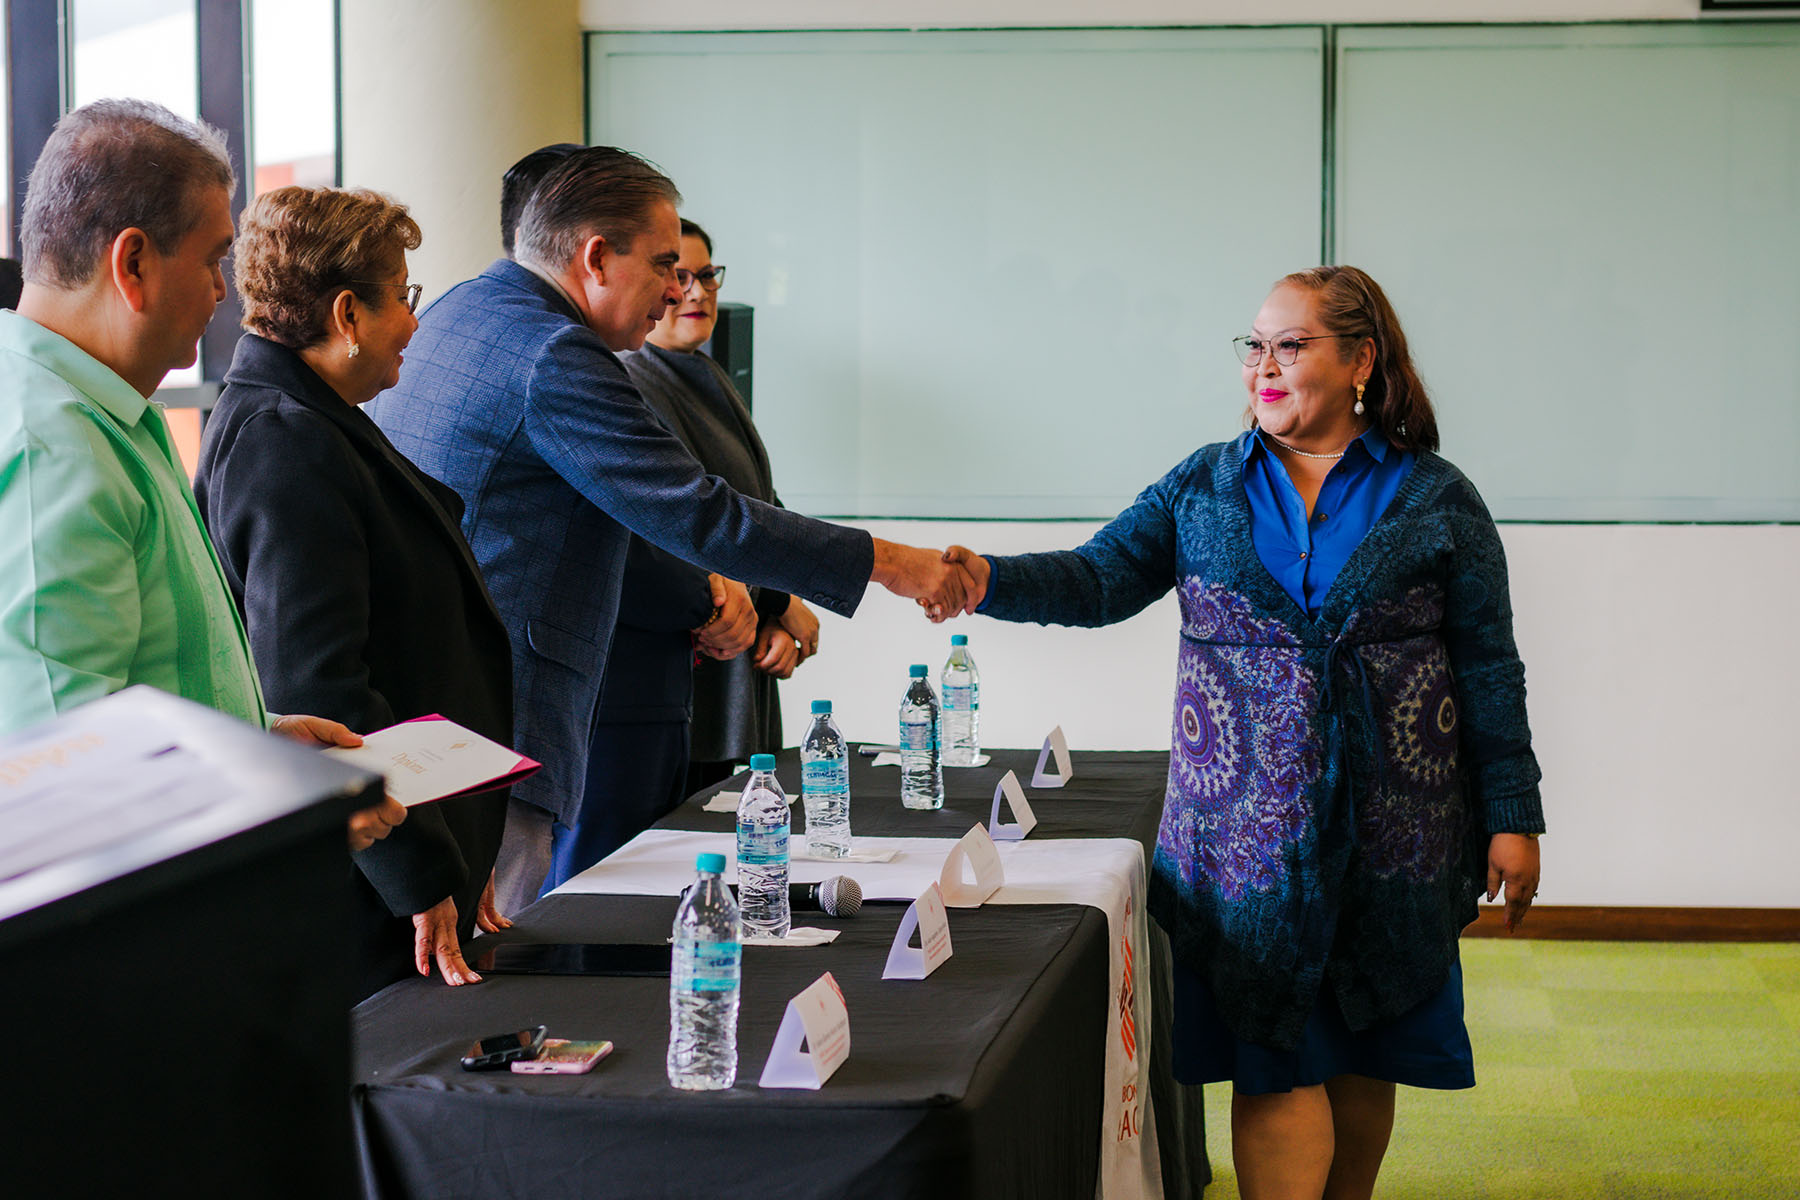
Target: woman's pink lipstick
(1270, 395)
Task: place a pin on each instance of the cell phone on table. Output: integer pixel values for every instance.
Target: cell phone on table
(503, 1049)
(560, 1056)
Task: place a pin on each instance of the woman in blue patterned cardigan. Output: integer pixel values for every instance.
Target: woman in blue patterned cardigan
(1351, 765)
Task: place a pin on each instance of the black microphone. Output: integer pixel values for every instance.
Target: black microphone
(839, 896)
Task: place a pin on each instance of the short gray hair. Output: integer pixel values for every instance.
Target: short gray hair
(596, 190)
(110, 166)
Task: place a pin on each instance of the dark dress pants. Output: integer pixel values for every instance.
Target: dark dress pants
(637, 774)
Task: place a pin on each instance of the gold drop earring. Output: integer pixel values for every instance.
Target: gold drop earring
(1357, 409)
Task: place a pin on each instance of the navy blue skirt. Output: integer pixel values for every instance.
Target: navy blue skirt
(1427, 1046)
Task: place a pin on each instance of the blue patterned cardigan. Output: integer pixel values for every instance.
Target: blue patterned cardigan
(1332, 782)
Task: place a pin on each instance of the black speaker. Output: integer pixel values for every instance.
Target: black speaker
(732, 346)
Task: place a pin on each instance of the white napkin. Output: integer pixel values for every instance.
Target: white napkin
(728, 802)
(801, 935)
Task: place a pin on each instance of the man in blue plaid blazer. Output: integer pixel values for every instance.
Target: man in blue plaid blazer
(511, 394)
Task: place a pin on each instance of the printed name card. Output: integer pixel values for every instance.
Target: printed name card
(1025, 820)
(1065, 771)
(975, 850)
(926, 915)
(818, 1018)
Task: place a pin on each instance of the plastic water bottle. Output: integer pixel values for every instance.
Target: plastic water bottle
(705, 968)
(762, 846)
(825, 785)
(921, 773)
(962, 705)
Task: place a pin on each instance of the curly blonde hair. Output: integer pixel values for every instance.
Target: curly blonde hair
(299, 247)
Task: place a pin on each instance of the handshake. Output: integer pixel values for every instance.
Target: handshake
(945, 584)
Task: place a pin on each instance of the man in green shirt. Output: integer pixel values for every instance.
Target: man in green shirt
(107, 578)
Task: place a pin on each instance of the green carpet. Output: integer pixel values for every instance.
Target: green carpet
(1605, 1071)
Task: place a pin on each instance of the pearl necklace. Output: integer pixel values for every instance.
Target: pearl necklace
(1309, 453)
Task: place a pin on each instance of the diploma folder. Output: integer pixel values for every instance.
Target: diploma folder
(433, 758)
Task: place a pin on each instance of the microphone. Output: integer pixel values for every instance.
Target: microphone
(839, 896)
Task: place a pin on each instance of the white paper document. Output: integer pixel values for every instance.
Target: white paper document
(1058, 745)
(434, 758)
(1024, 820)
(927, 917)
(817, 1018)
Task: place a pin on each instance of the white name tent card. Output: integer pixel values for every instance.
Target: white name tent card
(977, 850)
(817, 1017)
(927, 916)
(1056, 744)
(1024, 819)
(434, 758)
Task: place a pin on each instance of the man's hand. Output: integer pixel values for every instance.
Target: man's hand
(1513, 860)
(370, 825)
(921, 575)
(434, 940)
(314, 731)
(976, 569)
(803, 626)
(732, 629)
(777, 653)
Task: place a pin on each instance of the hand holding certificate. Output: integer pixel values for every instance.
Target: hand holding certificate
(434, 758)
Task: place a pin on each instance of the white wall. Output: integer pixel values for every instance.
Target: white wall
(439, 97)
(627, 15)
(1660, 666)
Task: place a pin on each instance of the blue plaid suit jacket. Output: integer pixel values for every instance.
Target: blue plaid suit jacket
(509, 399)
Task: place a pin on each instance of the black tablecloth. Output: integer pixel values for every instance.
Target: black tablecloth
(984, 1080)
(1116, 793)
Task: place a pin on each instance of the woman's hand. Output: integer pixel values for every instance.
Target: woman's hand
(370, 825)
(488, 918)
(1513, 860)
(975, 575)
(802, 625)
(434, 939)
(777, 653)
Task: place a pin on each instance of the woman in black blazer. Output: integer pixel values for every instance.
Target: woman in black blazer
(361, 597)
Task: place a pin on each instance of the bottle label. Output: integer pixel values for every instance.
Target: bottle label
(716, 966)
(959, 697)
(921, 736)
(764, 847)
(826, 775)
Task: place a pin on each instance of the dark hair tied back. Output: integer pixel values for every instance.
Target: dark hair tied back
(1353, 306)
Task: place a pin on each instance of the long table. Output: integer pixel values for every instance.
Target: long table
(982, 1081)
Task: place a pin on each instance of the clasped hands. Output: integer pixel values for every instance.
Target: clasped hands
(944, 583)
(778, 644)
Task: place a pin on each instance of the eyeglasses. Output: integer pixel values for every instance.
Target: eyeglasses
(412, 290)
(1286, 350)
(710, 278)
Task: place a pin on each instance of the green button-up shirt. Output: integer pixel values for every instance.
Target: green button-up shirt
(107, 577)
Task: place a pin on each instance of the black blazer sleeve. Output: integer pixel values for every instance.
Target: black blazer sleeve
(287, 504)
(661, 592)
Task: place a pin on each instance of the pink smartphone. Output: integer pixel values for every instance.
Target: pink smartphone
(560, 1056)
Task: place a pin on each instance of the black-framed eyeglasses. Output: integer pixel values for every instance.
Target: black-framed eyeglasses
(1250, 348)
(710, 278)
(412, 290)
